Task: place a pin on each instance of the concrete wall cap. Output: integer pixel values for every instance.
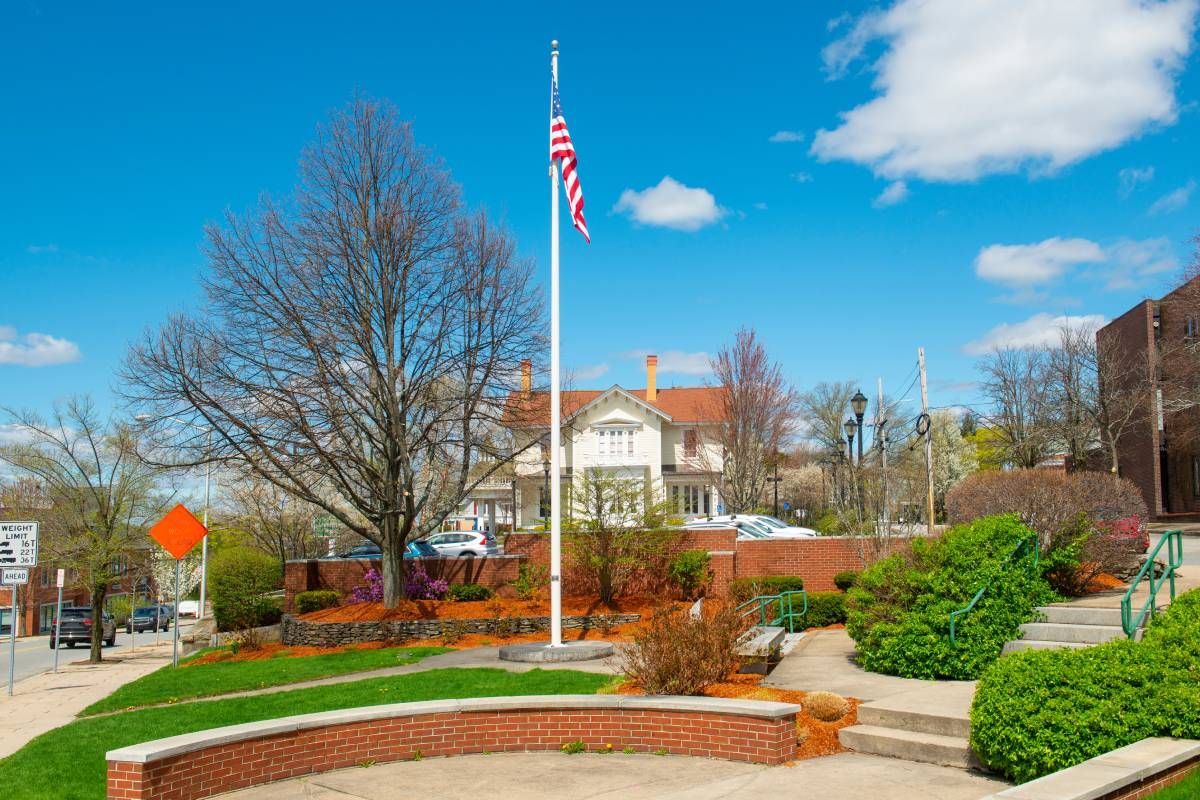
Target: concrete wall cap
(711, 705)
(540, 702)
(1106, 773)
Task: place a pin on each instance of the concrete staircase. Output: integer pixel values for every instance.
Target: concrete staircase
(929, 725)
(1072, 626)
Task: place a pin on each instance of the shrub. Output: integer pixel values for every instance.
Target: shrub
(420, 586)
(826, 706)
(1036, 712)
(898, 612)
(531, 579)
(743, 589)
(315, 600)
(689, 571)
(121, 607)
(468, 592)
(845, 579)
(370, 590)
(238, 578)
(825, 608)
(676, 654)
(1082, 518)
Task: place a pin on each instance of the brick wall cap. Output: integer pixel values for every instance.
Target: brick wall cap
(493, 557)
(169, 747)
(1106, 773)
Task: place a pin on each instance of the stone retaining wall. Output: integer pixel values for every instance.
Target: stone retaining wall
(207, 763)
(331, 634)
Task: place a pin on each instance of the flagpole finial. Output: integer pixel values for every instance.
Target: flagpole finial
(554, 44)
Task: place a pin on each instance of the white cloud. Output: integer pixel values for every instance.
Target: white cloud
(1023, 265)
(35, 349)
(761, 206)
(802, 177)
(1131, 177)
(969, 89)
(677, 361)
(670, 204)
(14, 433)
(1173, 201)
(1037, 331)
(40, 249)
(896, 192)
(590, 372)
(1130, 262)
(779, 137)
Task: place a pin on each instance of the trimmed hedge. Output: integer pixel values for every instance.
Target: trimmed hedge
(468, 592)
(743, 589)
(845, 579)
(316, 600)
(898, 612)
(1036, 712)
(825, 608)
(688, 570)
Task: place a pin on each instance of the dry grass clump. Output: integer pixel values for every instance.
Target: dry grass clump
(826, 706)
(676, 654)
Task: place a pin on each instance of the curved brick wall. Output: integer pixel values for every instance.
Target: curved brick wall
(210, 762)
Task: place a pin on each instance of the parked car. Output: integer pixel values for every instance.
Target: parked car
(76, 626)
(773, 528)
(365, 550)
(463, 543)
(782, 530)
(746, 529)
(420, 549)
(147, 619)
(189, 608)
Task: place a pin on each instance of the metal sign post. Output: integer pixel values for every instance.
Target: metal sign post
(12, 578)
(62, 574)
(175, 645)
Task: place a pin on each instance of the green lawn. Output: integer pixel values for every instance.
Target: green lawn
(68, 763)
(169, 685)
(1186, 789)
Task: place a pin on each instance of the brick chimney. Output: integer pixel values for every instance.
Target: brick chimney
(651, 378)
(526, 377)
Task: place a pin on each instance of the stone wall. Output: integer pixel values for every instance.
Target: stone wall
(332, 634)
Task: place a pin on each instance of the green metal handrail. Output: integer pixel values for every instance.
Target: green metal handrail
(1173, 540)
(1023, 548)
(786, 616)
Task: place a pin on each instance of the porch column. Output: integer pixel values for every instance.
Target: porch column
(491, 506)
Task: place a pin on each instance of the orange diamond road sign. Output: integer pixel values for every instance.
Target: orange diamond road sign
(178, 531)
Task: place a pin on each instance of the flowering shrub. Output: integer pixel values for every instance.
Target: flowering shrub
(372, 592)
(422, 587)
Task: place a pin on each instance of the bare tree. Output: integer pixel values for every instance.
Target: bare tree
(758, 414)
(823, 409)
(273, 520)
(1072, 393)
(100, 495)
(355, 351)
(1014, 383)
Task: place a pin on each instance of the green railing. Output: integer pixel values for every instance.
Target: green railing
(1023, 548)
(1173, 541)
(775, 609)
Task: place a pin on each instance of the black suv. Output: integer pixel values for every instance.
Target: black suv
(76, 627)
(148, 619)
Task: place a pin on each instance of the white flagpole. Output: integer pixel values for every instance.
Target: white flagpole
(555, 398)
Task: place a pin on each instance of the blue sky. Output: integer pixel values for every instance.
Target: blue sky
(923, 173)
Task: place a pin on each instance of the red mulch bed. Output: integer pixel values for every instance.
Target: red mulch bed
(1104, 583)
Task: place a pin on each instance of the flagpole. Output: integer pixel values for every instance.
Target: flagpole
(555, 397)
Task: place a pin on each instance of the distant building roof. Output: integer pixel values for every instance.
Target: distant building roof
(700, 404)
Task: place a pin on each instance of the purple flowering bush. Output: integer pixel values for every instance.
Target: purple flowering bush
(422, 587)
(372, 591)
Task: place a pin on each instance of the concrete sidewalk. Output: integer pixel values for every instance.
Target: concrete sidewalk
(554, 776)
(50, 700)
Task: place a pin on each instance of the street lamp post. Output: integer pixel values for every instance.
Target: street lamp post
(776, 481)
(858, 404)
(840, 485)
(851, 427)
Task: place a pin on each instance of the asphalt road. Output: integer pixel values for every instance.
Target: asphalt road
(1191, 549)
(34, 655)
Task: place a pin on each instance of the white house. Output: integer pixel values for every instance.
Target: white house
(664, 438)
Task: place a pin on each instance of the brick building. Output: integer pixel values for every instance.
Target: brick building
(36, 600)
(1158, 451)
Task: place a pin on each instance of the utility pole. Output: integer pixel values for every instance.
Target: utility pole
(881, 435)
(928, 442)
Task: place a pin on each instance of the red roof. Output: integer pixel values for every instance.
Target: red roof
(690, 404)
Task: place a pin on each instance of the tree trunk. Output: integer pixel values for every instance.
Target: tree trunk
(97, 654)
(393, 540)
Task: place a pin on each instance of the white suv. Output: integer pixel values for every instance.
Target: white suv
(464, 543)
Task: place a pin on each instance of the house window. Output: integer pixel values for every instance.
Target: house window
(1190, 329)
(691, 440)
(691, 498)
(615, 441)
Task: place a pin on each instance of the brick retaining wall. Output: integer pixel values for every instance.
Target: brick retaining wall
(207, 763)
(332, 634)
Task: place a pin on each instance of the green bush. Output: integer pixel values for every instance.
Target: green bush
(845, 579)
(689, 571)
(238, 579)
(531, 579)
(1039, 711)
(468, 592)
(743, 589)
(898, 611)
(825, 608)
(315, 600)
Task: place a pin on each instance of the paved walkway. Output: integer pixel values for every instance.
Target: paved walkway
(554, 776)
(50, 700)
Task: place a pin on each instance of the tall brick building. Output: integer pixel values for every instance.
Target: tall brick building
(1158, 452)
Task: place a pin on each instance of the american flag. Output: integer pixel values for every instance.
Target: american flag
(562, 149)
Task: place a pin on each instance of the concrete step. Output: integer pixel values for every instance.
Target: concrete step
(1035, 644)
(1080, 615)
(1069, 632)
(881, 716)
(930, 748)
